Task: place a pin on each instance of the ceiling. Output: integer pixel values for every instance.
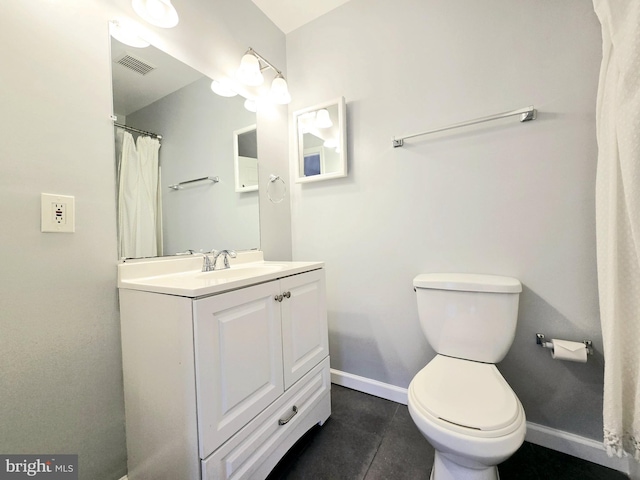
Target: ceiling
(291, 14)
(132, 90)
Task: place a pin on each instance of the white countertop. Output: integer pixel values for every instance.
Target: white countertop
(183, 276)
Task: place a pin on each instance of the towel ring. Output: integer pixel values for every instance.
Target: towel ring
(272, 179)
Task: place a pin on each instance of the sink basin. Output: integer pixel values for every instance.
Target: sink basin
(241, 271)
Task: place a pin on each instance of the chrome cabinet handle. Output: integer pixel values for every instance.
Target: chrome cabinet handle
(279, 298)
(284, 421)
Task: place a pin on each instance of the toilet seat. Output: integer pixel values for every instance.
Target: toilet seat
(468, 397)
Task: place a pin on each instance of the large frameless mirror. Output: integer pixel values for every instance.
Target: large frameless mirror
(321, 141)
(178, 193)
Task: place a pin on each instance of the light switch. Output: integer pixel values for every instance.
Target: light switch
(57, 213)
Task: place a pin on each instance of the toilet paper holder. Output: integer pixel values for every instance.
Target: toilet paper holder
(540, 340)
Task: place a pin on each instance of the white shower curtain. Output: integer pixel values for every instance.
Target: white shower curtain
(139, 198)
(618, 221)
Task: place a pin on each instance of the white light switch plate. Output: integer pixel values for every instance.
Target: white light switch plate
(57, 213)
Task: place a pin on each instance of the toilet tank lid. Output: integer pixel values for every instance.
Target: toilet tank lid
(468, 282)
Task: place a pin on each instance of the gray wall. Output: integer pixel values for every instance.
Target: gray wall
(61, 373)
(197, 128)
(502, 198)
(508, 199)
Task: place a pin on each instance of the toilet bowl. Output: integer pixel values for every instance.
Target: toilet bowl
(459, 401)
(469, 414)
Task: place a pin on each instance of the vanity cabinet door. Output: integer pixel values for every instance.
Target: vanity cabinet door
(238, 353)
(304, 324)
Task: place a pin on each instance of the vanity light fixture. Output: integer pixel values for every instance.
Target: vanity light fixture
(330, 143)
(280, 91)
(222, 88)
(323, 119)
(251, 105)
(157, 12)
(250, 73)
(306, 121)
(124, 32)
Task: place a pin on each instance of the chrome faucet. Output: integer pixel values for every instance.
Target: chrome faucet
(225, 254)
(207, 264)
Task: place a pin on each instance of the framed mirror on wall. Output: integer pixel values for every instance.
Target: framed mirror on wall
(321, 141)
(194, 203)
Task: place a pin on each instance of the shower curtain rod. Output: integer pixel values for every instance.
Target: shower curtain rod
(144, 132)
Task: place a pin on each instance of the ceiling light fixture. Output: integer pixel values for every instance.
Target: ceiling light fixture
(157, 12)
(124, 32)
(250, 73)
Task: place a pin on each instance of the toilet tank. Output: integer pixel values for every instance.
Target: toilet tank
(468, 316)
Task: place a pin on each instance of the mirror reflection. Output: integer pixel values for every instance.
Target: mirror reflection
(176, 130)
(245, 158)
(321, 142)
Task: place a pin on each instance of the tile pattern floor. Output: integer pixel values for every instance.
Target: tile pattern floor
(369, 438)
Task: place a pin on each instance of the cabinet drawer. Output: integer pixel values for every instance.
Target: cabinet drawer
(245, 452)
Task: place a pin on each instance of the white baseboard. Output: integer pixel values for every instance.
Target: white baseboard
(367, 385)
(561, 441)
(572, 444)
(125, 478)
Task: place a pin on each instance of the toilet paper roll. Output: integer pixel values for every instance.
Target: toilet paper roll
(571, 351)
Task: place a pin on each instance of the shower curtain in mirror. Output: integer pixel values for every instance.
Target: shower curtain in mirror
(618, 221)
(139, 196)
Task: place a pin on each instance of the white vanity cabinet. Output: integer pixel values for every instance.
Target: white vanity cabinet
(221, 386)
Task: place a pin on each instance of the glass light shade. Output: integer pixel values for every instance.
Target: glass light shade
(157, 12)
(250, 105)
(280, 90)
(306, 121)
(249, 71)
(330, 143)
(323, 119)
(125, 33)
(223, 89)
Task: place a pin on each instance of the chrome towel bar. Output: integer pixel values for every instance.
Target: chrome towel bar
(177, 186)
(526, 114)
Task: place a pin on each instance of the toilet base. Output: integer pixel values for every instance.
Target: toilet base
(446, 469)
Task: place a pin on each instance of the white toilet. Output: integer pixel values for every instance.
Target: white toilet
(460, 401)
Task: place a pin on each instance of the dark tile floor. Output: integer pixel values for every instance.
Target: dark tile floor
(371, 438)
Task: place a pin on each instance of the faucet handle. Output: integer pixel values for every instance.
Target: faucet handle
(226, 254)
(207, 266)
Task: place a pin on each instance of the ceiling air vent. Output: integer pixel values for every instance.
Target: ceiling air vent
(136, 64)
